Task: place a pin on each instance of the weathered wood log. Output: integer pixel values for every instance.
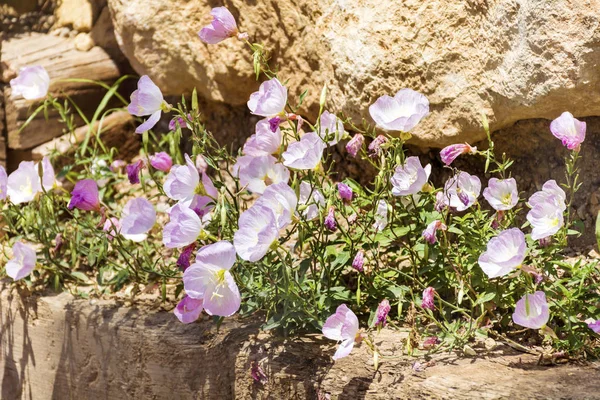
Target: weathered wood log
(62, 61)
(2, 130)
(58, 347)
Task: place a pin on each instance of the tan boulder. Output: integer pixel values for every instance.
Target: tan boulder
(78, 14)
(510, 59)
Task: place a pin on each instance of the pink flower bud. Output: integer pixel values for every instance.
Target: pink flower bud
(345, 192)
(428, 299)
(450, 153)
(382, 312)
(359, 261)
(330, 220)
(133, 171)
(355, 144)
(85, 196)
(161, 161)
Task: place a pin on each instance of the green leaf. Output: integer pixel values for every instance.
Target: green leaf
(302, 96)
(598, 230)
(484, 298)
(80, 276)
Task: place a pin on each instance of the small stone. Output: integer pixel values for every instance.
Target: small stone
(490, 344)
(469, 351)
(84, 42)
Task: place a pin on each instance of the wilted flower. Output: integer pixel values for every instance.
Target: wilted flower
(257, 232)
(264, 142)
(594, 325)
(306, 153)
(381, 213)
(223, 26)
(441, 202)
(147, 99)
(355, 144)
(188, 309)
(32, 83)
(342, 326)
(428, 298)
(22, 262)
(257, 373)
(329, 221)
(375, 146)
(184, 226)
(270, 100)
(359, 261)
(504, 253)
(137, 218)
(183, 261)
(281, 200)
(161, 161)
(345, 192)
(274, 123)
(312, 198)
(112, 227)
(502, 194)
(409, 178)
(85, 196)
(133, 171)
(532, 311)
(256, 173)
(331, 128)
(382, 312)
(178, 121)
(401, 112)
(461, 191)
(209, 279)
(430, 232)
(451, 153)
(3, 183)
(24, 183)
(569, 130)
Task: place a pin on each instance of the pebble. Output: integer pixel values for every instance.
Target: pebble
(84, 42)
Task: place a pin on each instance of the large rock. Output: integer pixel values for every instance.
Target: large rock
(510, 59)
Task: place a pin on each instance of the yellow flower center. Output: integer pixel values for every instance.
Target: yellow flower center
(200, 189)
(27, 188)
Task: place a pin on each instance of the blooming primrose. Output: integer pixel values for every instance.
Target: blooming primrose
(22, 262)
(501, 194)
(569, 130)
(410, 178)
(461, 191)
(264, 142)
(532, 311)
(257, 173)
(401, 112)
(504, 253)
(331, 128)
(546, 219)
(223, 26)
(137, 218)
(147, 99)
(85, 196)
(209, 279)
(451, 153)
(184, 185)
(306, 153)
(188, 309)
(184, 227)
(32, 83)
(282, 201)
(257, 232)
(342, 326)
(23, 183)
(269, 100)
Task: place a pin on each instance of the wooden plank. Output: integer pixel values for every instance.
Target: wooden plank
(62, 61)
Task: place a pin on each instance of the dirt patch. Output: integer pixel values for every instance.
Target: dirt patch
(59, 347)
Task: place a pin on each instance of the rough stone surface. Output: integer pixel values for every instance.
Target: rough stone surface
(57, 347)
(513, 60)
(78, 14)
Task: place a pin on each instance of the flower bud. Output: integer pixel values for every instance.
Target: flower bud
(355, 144)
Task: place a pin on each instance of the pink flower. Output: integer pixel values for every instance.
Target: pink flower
(22, 262)
(264, 142)
(502, 194)
(281, 200)
(23, 183)
(32, 83)
(209, 279)
(342, 326)
(594, 325)
(304, 154)
(112, 227)
(270, 100)
(117, 165)
(504, 253)
(183, 261)
(137, 218)
(256, 173)
(409, 178)
(184, 185)
(345, 192)
(428, 298)
(312, 198)
(381, 213)
(382, 312)
(355, 144)
(461, 191)
(547, 213)
(184, 226)
(550, 193)
(401, 112)
(3, 183)
(569, 130)
(85, 196)
(133, 171)
(429, 234)
(48, 177)
(188, 309)
(329, 221)
(161, 161)
(532, 311)
(178, 122)
(331, 128)
(147, 100)
(359, 261)
(451, 153)
(223, 26)
(257, 232)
